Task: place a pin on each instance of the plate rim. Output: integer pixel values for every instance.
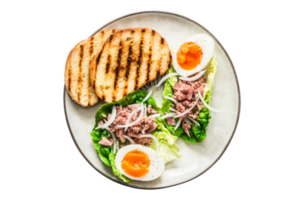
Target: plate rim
(238, 114)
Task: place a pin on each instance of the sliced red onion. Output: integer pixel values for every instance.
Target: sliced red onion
(165, 78)
(187, 121)
(147, 97)
(111, 120)
(168, 115)
(100, 127)
(131, 115)
(194, 121)
(172, 109)
(177, 125)
(114, 139)
(188, 110)
(112, 117)
(155, 115)
(155, 140)
(171, 99)
(208, 106)
(118, 146)
(194, 77)
(134, 122)
(129, 139)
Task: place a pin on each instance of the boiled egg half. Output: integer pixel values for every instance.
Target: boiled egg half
(193, 54)
(139, 162)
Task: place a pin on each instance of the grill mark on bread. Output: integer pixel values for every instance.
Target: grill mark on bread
(128, 61)
(118, 66)
(128, 68)
(152, 42)
(91, 46)
(107, 64)
(170, 62)
(102, 35)
(79, 73)
(139, 60)
(149, 61)
(162, 40)
(69, 78)
(98, 58)
(109, 57)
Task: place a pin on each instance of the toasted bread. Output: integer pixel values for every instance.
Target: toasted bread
(129, 59)
(77, 71)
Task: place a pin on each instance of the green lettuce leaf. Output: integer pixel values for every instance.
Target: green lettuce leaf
(197, 133)
(103, 151)
(117, 172)
(168, 150)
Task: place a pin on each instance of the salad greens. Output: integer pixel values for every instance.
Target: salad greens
(168, 150)
(197, 133)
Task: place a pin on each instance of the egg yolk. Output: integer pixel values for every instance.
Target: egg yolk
(189, 55)
(136, 163)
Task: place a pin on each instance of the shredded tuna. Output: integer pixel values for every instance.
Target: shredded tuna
(152, 128)
(184, 93)
(134, 135)
(146, 124)
(143, 141)
(187, 103)
(196, 115)
(186, 128)
(150, 110)
(101, 123)
(132, 107)
(190, 94)
(200, 105)
(180, 107)
(171, 121)
(120, 134)
(106, 142)
(180, 96)
(182, 86)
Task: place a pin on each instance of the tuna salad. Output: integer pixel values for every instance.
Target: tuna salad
(146, 125)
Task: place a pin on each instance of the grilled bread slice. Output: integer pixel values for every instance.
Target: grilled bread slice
(129, 59)
(77, 72)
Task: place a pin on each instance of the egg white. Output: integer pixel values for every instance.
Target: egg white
(207, 45)
(157, 164)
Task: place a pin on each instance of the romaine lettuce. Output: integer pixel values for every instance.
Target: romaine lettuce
(197, 133)
(168, 149)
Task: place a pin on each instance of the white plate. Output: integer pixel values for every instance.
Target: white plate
(196, 158)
